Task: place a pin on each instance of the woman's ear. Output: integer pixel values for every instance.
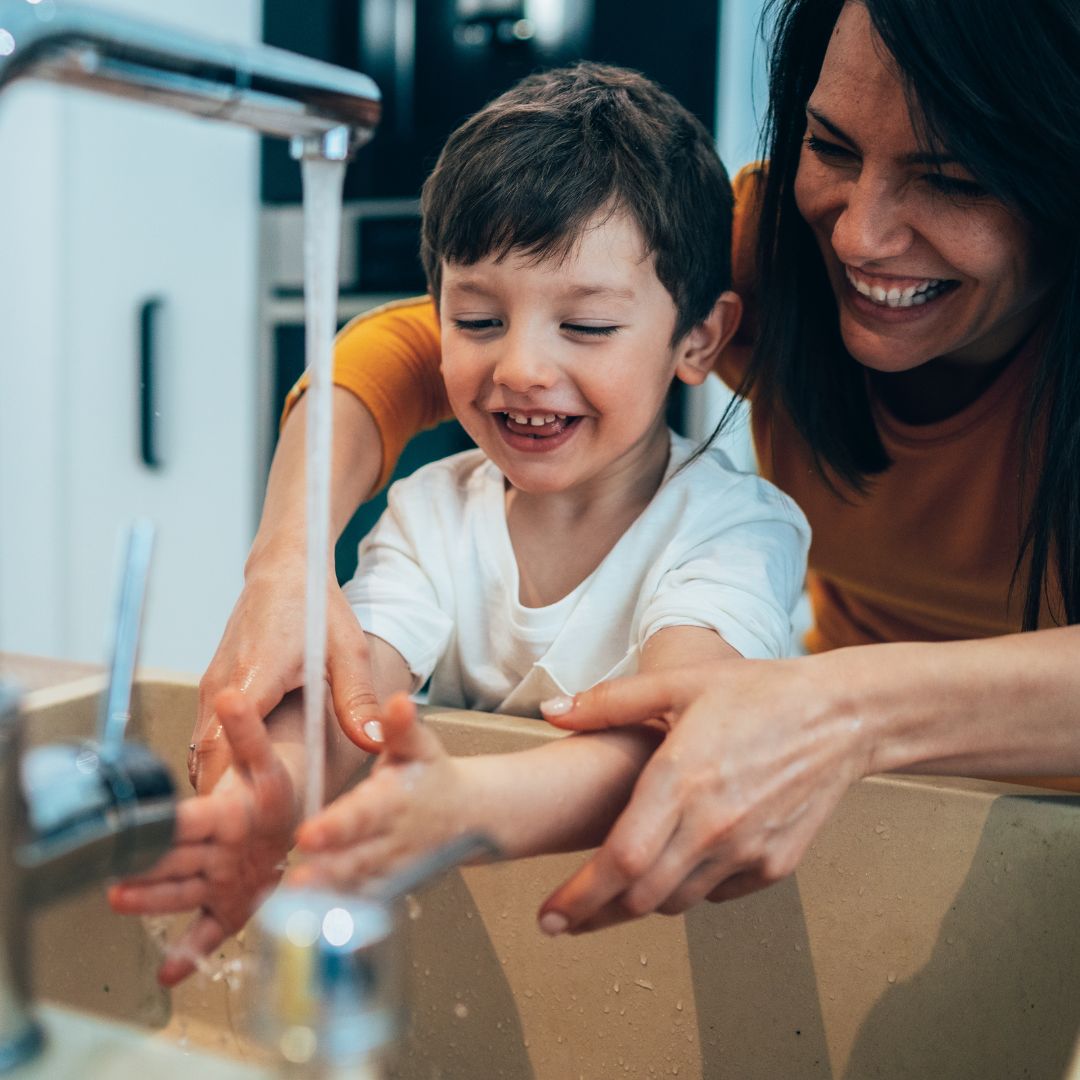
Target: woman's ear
(696, 354)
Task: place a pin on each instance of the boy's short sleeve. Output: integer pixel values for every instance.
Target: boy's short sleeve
(738, 570)
(390, 358)
(394, 592)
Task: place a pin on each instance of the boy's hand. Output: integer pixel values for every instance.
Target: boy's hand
(230, 845)
(413, 801)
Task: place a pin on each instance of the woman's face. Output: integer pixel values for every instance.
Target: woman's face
(922, 262)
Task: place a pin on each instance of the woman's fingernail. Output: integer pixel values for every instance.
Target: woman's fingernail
(553, 924)
(557, 706)
(373, 730)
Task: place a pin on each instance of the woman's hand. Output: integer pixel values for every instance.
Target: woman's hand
(756, 758)
(413, 801)
(261, 655)
(229, 849)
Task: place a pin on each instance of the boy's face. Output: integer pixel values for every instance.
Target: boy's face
(560, 370)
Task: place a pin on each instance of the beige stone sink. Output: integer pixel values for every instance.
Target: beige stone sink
(932, 932)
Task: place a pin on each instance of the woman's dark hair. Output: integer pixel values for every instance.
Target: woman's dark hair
(531, 169)
(997, 83)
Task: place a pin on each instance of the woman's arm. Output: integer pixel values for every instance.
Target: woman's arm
(261, 650)
(760, 753)
(389, 386)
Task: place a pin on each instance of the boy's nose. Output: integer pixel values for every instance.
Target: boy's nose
(522, 367)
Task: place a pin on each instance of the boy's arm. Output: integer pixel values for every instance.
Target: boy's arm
(561, 796)
(678, 646)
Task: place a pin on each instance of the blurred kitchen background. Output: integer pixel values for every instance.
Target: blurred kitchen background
(151, 308)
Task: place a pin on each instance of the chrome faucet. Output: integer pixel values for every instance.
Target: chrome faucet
(325, 110)
(72, 815)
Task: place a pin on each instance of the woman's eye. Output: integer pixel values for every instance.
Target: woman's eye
(955, 186)
(476, 324)
(824, 149)
(590, 331)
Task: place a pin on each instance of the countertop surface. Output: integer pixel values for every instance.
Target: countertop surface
(39, 672)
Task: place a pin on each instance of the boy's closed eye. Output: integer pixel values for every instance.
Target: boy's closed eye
(481, 325)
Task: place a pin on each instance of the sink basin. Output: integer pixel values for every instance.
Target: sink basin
(930, 932)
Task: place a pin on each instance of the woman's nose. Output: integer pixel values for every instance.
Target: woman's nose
(872, 224)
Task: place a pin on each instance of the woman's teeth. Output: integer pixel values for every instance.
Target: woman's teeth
(910, 296)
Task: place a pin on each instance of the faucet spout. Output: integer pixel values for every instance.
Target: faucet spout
(269, 90)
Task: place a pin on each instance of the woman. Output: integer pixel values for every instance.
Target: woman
(911, 266)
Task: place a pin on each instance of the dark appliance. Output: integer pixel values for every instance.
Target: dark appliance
(437, 61)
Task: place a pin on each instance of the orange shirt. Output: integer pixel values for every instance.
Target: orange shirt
(927, 554)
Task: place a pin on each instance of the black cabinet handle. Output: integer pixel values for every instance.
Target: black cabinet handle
(149, 451)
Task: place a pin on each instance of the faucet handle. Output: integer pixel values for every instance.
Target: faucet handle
(116, 704)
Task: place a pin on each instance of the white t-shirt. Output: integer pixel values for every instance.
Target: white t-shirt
(438, 580)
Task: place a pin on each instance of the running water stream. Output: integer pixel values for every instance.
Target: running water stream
(323, 181)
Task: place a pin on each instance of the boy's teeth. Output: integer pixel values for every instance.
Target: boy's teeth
(535, 421)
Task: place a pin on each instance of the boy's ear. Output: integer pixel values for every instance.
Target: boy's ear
(696, 354)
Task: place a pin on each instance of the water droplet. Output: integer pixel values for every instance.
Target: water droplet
(461, 1010)
(892, 976)
(644, 960)
(679, 1006)
(412, 906)
(644, 984)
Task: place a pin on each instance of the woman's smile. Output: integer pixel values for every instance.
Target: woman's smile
(897, 292)
(875, 300)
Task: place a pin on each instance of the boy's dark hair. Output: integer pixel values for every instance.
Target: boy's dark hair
(530, 169)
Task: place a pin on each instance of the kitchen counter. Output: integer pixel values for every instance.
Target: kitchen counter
(40, 672)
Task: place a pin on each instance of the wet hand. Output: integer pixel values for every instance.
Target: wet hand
(229, 849)
(261, 655)
(756, 758)
(412, 802)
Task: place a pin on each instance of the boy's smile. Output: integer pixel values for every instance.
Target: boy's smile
(560, 369)
(536, 432)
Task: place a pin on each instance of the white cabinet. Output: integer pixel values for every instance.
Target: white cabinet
(104, 206)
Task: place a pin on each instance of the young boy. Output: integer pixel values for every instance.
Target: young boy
(575, 239)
